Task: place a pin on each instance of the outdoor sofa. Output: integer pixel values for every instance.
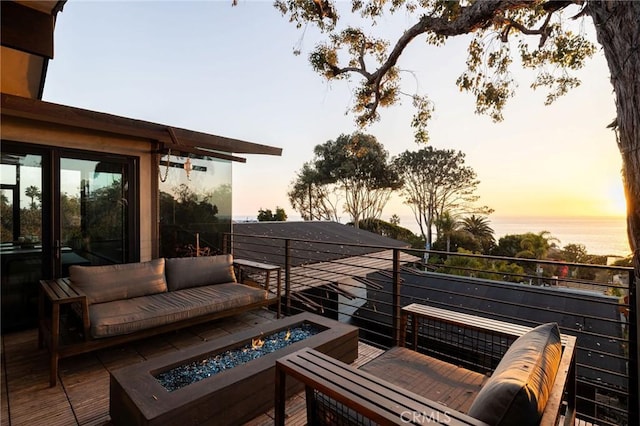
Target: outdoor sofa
(114, 304)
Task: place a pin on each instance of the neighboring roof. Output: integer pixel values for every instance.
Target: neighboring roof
(311, 247)
(344, 270)
(178, 140)
(593, 317)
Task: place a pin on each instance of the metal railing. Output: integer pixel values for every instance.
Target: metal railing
(368, 285)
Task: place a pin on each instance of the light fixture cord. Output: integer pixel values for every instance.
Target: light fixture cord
(166, 172)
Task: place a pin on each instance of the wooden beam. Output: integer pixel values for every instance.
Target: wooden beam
(26, 29)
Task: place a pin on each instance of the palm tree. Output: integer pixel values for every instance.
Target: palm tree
(479, 228)
(446, 226)
(33, 192)
(536, 246)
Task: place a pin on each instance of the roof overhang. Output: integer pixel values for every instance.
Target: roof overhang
(166, 137)
(26, 36)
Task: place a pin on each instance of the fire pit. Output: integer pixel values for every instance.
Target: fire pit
(200, 369)
(230, 396)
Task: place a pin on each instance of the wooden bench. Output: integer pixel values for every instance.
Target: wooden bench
(364, 394)
(403, 385)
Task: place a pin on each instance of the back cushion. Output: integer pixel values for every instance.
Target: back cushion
(518, 390)
(117, 282)
(186, 272)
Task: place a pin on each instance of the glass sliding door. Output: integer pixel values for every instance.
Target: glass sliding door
(94, 212)
(60, 208)
(24, 251)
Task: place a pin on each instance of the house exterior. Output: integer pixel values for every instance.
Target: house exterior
(89, 188)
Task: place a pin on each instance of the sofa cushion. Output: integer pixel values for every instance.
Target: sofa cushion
(517, 392)
(114, 282)
(187, 272)
(131, 315)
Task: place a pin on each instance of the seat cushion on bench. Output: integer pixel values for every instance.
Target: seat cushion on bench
(116, 282)
(187, 272)
(130, 315)
(518, 390)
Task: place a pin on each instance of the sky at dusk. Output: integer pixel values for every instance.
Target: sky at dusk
(230, 71)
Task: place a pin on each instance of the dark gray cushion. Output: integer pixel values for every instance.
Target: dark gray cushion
(187, 272)
(518, 390)
(131, 315)
(116, 282)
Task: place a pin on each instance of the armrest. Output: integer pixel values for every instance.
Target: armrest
(471, 331)
(62, 291)
(564, 387)
(242, 264)
(475, 342)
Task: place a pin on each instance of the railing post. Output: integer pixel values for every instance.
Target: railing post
(634, 349)
(395, 301)
(287, 276)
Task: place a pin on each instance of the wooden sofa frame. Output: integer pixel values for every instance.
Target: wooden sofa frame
(63, 342)
(363, 397)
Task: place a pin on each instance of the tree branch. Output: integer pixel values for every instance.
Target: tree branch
(479, 15)
(543, 31)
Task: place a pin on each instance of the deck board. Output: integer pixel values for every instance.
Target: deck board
(82, 395)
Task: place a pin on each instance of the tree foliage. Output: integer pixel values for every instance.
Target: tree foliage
(6, 219)
(268, 216)
(34, 193)
(392, 230)
(575, 253)
(447, 225)
(482, 267)
(358, 166)
(500, 28)
(313, 199)
(436, 181)
(528, 246)
(479, 228)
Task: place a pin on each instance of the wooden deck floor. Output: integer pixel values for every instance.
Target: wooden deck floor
(82, 394)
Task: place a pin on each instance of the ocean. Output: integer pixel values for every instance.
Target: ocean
(600, 235)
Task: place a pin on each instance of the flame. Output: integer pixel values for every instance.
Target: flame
(256, 343)
(288, 335)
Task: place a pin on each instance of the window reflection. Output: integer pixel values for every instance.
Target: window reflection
(195, 207)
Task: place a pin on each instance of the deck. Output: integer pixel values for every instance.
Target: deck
(82, 394)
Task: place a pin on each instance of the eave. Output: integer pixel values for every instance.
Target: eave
(176, 139)
(27, 44)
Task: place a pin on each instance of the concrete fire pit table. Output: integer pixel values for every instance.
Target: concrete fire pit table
(229, 397)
